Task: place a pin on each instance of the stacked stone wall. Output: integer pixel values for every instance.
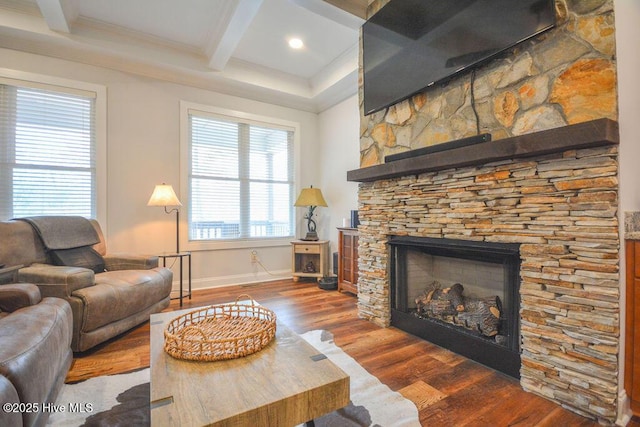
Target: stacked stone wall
(562, 77)
(562, 209)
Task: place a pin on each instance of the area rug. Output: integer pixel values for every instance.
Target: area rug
(123, 400)
(372, 403)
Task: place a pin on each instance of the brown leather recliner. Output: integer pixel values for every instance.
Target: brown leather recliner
(104, 304)
(35, 352)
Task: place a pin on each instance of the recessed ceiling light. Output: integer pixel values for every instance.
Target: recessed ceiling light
(295, 43)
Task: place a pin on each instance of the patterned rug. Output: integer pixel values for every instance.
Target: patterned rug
(123, 400)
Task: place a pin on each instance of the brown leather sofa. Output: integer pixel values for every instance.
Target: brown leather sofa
(103, 304)
(35, 353)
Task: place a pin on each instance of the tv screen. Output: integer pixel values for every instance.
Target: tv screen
(409, 45)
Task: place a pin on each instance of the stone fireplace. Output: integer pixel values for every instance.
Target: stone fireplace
(555, 194)
(460, 294)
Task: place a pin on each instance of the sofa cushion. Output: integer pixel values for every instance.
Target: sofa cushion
(100, 247)
(20, 244)
(119, 294)
(84, 256)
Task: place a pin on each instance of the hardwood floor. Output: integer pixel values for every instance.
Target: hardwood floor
(448, 389)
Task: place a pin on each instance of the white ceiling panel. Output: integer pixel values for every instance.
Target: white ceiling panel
(189, 22)
(265, 41)
(198, 40)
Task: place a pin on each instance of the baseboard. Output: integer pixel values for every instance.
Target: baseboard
(238, 279)
(624, 409)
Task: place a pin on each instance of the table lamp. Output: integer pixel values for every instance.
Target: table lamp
(163, 195)
(311, 197)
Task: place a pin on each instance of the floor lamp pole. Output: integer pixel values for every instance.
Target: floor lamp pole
(177, 231)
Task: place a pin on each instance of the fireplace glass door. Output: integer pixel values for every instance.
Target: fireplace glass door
(461, 295)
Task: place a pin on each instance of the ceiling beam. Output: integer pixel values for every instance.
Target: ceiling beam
(331, 10)
(221, 50)
(354, 7)
(59, 14)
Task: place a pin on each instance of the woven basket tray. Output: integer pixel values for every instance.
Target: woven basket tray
(219, 332)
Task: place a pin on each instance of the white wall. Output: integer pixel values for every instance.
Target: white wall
(143, 150)
(339, 136)
(627, 16)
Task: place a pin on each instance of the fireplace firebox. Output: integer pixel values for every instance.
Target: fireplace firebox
(461, 295)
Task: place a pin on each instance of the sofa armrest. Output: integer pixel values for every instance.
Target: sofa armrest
(8, 394)
(57, 281)
(124, 261)
(18, 295)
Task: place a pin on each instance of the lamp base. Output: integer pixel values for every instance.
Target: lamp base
(311, 236)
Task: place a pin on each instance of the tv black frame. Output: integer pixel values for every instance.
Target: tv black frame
(462, 70)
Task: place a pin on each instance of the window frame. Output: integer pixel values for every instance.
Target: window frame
(58, 84)
(185, 164)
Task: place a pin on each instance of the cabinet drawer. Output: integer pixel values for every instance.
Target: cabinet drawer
(307, 249)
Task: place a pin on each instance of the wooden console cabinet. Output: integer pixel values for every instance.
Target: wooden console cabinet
(348, 260)
(310, 259)
(632, 326)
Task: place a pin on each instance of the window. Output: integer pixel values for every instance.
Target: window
(240, 178)
(47, 151)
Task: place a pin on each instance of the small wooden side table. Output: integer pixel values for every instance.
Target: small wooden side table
(180, 256)
(310, 258)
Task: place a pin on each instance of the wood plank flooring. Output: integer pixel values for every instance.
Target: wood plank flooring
(448, 389)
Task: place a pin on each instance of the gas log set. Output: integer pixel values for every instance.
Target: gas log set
(449, 305)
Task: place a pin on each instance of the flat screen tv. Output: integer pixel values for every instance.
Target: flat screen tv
(409, 45)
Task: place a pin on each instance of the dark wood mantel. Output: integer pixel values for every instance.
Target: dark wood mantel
(582, 135)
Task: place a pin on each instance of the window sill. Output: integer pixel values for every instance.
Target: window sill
(214, 245)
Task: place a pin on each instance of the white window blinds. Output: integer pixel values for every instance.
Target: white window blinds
(241, 179)
(47, 153)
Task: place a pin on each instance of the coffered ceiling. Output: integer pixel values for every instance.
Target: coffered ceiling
(238, 47)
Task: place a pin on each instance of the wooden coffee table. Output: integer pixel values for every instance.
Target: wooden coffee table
(287, 383)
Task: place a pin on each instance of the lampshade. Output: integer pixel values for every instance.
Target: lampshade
(310, 197)
(163, 195)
